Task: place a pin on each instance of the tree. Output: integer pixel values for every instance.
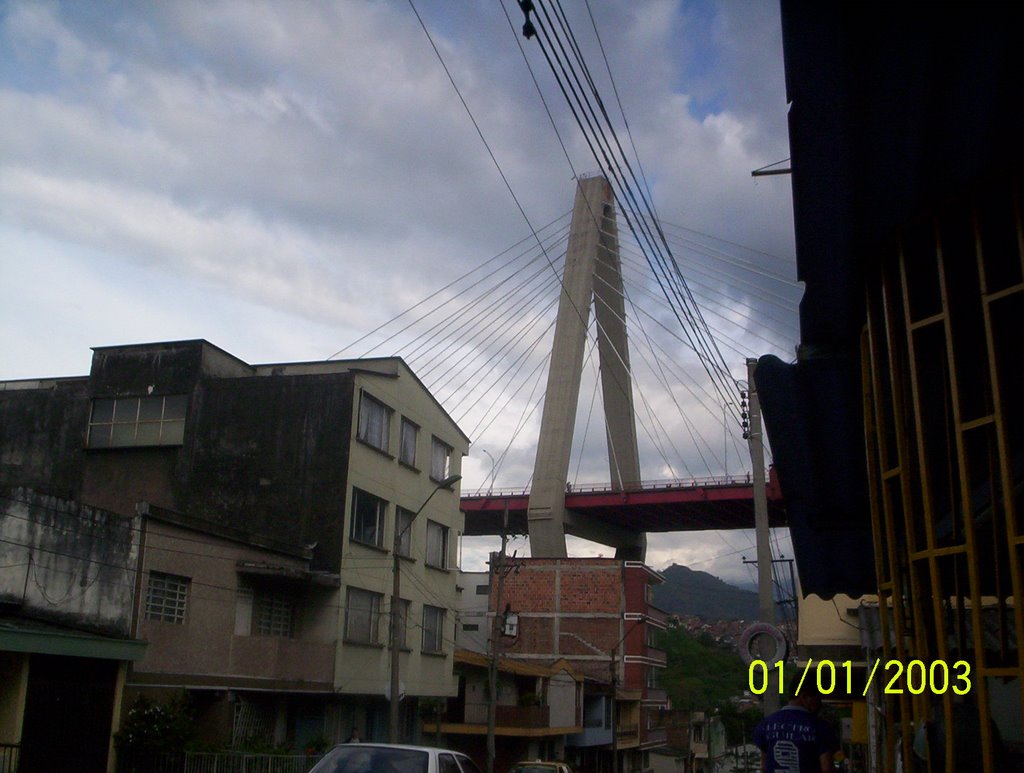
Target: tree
(154, 728)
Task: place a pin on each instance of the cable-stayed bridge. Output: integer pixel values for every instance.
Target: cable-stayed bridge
(662, 398)
(720, 503)
(485, 343)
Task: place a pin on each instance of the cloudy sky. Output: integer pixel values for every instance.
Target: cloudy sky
(281, 178)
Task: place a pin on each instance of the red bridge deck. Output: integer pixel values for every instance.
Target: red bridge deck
(698, 505)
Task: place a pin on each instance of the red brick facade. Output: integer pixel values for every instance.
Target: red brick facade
(580, 609)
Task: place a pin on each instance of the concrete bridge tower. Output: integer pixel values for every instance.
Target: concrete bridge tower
(592, 273)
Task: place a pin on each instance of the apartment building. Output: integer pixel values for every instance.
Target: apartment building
(269, 499)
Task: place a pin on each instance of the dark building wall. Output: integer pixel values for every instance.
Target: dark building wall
(42, 436)
(270, 455)
(137, 370)
(65, 562)
(266, 455)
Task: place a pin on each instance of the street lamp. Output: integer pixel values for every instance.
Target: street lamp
(393, 696)
(491, 485)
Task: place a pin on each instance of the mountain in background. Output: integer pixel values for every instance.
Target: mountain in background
(688, 592)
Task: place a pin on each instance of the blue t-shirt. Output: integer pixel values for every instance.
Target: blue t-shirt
(793, 740)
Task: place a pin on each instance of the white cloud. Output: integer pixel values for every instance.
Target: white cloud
(281, 178)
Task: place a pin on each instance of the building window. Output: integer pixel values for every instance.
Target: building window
(440, 460)
(483, 590)
(433, 629)
(264, 612)
(273, 614)
(137, 421)
(362, 613)
(403, 523)
(652, 676)
(167, 597)
(368, 514)
(407, 442)
(437, 545)
(374, 422)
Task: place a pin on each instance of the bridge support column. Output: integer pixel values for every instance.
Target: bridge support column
(592, 253)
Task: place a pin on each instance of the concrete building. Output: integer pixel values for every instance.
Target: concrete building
(474, 612)
(67, 575)
(537, 707)
(270, 498)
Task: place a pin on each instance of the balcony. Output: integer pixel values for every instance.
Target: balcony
(657, 655)
(627, 735)
(657, 616)
(523, 716)
(527, 717)
(591, 736)
(655, 736)
(276, 657)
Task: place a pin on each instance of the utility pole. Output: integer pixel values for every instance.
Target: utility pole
(396, 595)
(498, 570)
(790, 598)
(766, 602)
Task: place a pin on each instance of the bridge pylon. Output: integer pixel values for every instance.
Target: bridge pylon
(592, 275)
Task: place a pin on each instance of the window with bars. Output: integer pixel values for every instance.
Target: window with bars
(368, 514)
(437, 545)
(407, 442)
(440, 460)
(167, 597)
(433, 629)
(137, 421)
(362, 615)
(264, 612)
(374, 422)
(273, 614)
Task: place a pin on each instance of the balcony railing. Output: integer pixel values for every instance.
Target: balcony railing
(523, 716)
(283, 658)
(657, 655)
(509, 716)
(655, 735)
(628, 732)
(658, 694)
(657, 616)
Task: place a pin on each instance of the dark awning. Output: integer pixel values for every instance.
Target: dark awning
(818, 446)
(892, 109)
(33, 636)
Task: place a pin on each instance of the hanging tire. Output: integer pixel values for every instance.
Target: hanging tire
(749, 640)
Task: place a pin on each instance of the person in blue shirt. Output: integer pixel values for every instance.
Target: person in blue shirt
(794, 739)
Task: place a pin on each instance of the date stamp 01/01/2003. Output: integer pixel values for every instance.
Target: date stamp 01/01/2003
(915, 677)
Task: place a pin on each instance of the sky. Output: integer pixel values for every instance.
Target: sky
(282, 178)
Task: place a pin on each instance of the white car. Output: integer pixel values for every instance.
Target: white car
(391, 758)
(540, 766)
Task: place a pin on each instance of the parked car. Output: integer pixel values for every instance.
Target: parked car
(540, 766)
(392, 758)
